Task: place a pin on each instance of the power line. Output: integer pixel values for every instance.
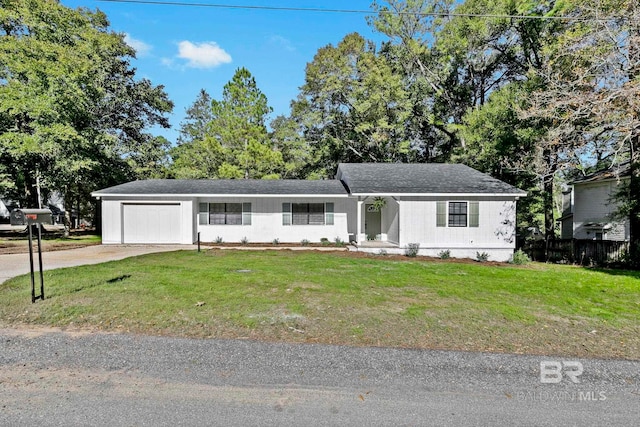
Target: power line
(352, 11)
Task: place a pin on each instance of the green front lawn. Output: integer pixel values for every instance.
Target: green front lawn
(344, 298)
(50, 242)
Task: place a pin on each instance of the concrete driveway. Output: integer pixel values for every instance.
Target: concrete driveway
(16, 264)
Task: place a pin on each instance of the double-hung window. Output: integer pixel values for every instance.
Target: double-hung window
(307, 214)
(457, 214)
(224, 214)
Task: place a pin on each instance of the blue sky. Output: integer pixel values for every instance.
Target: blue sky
(191, 48)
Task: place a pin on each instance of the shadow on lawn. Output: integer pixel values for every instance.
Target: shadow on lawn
(616, 272)
(110, 281)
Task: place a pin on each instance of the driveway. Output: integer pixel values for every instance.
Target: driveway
(16, 264)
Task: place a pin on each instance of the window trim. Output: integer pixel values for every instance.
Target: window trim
(204, 213)
(288, 214)
(471, 214)
(456, 215)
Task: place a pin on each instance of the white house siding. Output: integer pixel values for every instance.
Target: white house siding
(266, 221)
(495, 234)
(390, 220)
(351, 208)
(592, 203)
(112, 218)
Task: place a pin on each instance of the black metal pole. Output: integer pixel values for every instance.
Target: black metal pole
(198, 241)
(40, 261)
(33, 283)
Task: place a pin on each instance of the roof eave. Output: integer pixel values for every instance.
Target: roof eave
(518, 194)
(595, 180)
(98, 194)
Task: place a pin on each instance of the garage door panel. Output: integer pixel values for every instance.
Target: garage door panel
(145, 223)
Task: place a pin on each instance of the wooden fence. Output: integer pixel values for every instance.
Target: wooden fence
(578, 251)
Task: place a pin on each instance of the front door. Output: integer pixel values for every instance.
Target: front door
(372, 222)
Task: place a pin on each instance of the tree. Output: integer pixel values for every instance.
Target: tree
(239, 125)
(499, 142)
(197, 154)
(198, 159)
(453, 56)
(199, 115)
(71, 110)
(236, 143)
(152, 159)
(286, 137)
(591, 93)
(352, 107)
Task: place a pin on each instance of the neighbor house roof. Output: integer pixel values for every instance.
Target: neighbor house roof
(231, 187)
(623, 170)
(420, 179)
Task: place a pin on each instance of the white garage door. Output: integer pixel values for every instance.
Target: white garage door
(158, 223)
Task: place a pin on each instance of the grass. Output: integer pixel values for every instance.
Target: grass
(50, 242)
(343, 298)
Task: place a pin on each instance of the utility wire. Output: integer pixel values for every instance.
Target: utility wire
(352, 11)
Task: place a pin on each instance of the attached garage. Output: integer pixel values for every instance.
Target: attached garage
(151, 223)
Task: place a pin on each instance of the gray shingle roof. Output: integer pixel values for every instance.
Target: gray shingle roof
(226, 186)
(420, 178)
(623, 170)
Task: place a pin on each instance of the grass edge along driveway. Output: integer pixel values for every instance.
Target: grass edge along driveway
(344, 298)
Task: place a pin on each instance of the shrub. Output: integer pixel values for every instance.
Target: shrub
(520, 258)
(218, 239)
(482, 257)
(276, 242)
(324, 240)
(305, 242)
(339, 241)
(382, 252)
(412, 250)
(244, 240)
(444, 254)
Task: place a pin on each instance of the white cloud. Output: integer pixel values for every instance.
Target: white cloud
(167, 62)
(141, 48)
(282, 42)
(202, 55)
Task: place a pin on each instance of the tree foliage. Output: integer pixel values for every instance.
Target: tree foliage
(235, 143)
(72, 114)
(591, 94)
(352, 107)
(199, 115)
(452, 63)
(468, 67)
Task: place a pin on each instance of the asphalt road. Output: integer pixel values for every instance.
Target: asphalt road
(12, 265)
(55, 378)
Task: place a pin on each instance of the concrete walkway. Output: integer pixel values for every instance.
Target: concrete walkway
(12, 265)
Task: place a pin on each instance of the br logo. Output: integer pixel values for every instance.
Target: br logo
(551, 372)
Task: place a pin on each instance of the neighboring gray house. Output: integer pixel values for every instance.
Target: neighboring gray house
(588, 205)
(439, 206)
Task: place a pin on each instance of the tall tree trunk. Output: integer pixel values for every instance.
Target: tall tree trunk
(634, 196)
(30, 193)
(547, 194)
(634, 161)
